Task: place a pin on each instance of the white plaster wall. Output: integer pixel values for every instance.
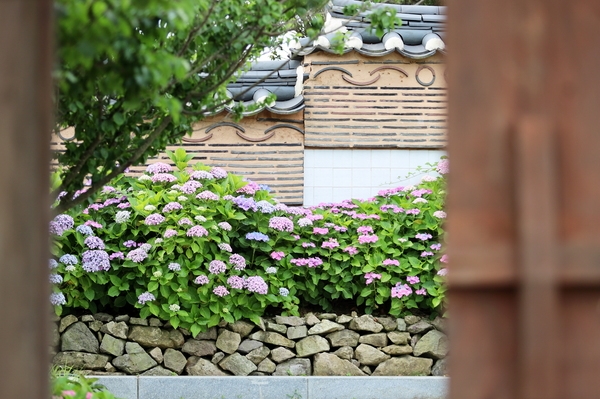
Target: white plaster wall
(336, 175)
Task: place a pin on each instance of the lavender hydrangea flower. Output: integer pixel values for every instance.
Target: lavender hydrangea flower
(245, 203)
(116, 255)
(68, 259)
(218, 173)
(423, 236)
(85, 230)
(130, 244)
(185, 221)
(277, 255)
(163, 178)
(124, 205)
(281, 224)
(225, 247)
(52, 264)
(236, 282)
(172, 206)
(57, 299)
(145, 247)
(364, 230)
(154, 219)
(201, 280)
(217, 267)
(256, 236)
(257, 284)
(332, 243)
(60, 224)
(55, 278)
(443, 167)
(224, 226)
(439, 214)
(436, 247)
(208, 196)
(201, 175)
(310, 262)
(93, 242)
(320, 230)
(401, 290)
(197, 231)
(265, 207)
(174, 266)
(137, 255)
(146, 297)
(249, 189)
(421, 291)
(284, 291)
(238, 261)
(95, 260)
(308, 245)
(367, 239)
(351, 250)
(220, 291)
(169, 233)
(425, 254)
(159, 167)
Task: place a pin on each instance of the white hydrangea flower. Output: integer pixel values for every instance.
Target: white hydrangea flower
(122, 216)
(150, 208)
(157, 274)
(174, 307)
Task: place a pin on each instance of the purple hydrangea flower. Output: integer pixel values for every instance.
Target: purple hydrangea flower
(154, 219)
(351, 250)
(95, 260)
(364, 230)
(257, 284)
(225, 226)
(284, 291)
(57, 299)
(281, 224)
(201, 280)
(172, 206)
(367, 239)
(414, 211)
(442, 272)
(55, 278)
(208, 195)
(277, 255)
(310, 262)
(370, 277)
(124, 205)
(225, 247)
(60, 224)
(332, 243)
(413, 279)
(197, 231)
(159, 167)
(320, 230)
(137, 255)
(256, 236)
(145, 247)
(85, 230)
(93, 242)
(308, 245)
(265, 207)
(249, 189)
(68, 259)
(145, 297)
(436, 247)
(238, 261)
(421, 291)
(130, 244)
(236, 282)
(424, 254)
(391, 262)
(444, 258)
(217, 267)
(174, 266)
(190, 187)
(220, 291)
(443, 167)
(218, 173)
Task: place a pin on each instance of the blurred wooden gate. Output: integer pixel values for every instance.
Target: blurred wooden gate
(524, 198)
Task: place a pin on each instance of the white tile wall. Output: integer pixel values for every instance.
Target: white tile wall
(336, 175)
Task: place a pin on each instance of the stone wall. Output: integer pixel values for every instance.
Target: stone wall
(322, 345)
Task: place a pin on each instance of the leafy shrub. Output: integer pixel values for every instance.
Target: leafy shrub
(195, 246)
(67, 385)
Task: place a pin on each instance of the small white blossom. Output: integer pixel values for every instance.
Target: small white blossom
(122, 216)
(150, 208)
(174, 307)
(157, 274)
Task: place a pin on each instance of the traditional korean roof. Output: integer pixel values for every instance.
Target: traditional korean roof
(420, 36)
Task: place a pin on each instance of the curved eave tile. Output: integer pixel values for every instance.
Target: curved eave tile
(406, 52)
(275, 110)
(419, 55)
(286, 107)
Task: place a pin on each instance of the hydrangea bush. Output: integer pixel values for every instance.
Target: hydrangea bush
(195, 246)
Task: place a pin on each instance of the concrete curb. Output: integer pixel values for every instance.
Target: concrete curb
(137, 387)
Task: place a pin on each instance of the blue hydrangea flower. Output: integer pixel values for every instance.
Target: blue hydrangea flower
(256, 236)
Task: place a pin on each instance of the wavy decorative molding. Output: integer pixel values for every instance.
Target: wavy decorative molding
(357, 83)
(255, 139)
(286, 126)
(210, 135)
(332, 68)
(368, 82)
(395, 68)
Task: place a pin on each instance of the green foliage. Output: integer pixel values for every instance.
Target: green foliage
(176, 240)
(135, 75)
(66, 384)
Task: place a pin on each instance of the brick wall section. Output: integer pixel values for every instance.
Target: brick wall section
(370, 102)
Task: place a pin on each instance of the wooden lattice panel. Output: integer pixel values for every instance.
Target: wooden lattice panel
(371, 102)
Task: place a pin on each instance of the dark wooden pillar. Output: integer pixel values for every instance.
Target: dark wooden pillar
(524, 199)
(25, 124)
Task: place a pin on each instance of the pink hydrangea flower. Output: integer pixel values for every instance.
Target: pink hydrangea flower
(370, 277)
(442, 272)
(439, 214)
(364, 230)
(421, 291)
(159, 167)
(320, 230)
(367, 239)
(201, 280)
(391, 262)
(277, 255)
(401, 290)
(413, 279)
(170, 233)
(197, 231)
(444, 258)
(220, 291)
(351, 250)
(332, 243)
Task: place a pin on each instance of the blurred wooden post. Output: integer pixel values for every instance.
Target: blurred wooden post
(25, 124)
(524, 199)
